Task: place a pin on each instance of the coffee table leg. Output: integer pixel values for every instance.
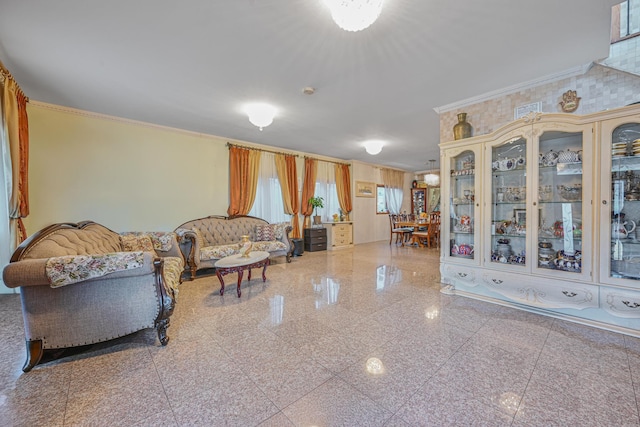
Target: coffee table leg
(239, 281)
(249, 276)
(221, 281)
(264, 269)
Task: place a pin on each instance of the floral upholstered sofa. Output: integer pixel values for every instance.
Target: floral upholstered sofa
(205, 240)
(84, 283)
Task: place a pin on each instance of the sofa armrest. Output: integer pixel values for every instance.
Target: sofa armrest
(32, 272)
(190, 248)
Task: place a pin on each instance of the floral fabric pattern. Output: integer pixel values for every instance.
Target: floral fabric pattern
(271, 246)
(68, 269)
(161, 240)
(217, 252)
(136, 242)
(172, 269)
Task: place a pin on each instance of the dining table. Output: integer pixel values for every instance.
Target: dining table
(416, 225)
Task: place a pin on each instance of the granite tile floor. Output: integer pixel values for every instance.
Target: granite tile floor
(357, 337)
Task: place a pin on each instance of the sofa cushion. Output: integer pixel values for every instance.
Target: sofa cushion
(136, 242)
(68, 269)
(220, 251)
(271, 246)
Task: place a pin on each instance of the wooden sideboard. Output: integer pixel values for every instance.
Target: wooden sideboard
(339, 235)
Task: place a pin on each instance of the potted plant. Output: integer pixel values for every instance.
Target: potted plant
(317, 202)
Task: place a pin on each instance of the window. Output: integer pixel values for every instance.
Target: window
(381, 200)
(268, 204)
(326, 188)
(625, 20)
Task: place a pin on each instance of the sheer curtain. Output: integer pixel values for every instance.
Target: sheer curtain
(5, 186)
(268, 203)
(326, 188)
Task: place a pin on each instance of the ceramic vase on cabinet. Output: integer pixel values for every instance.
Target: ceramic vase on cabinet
(462, 129)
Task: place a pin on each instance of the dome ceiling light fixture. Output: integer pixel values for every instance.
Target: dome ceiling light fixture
(373, 146)
(260, 114)
(432, 179)
(354, 15)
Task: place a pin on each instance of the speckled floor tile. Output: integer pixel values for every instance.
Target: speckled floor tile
(294, 351)
(335, 403)
(439, 403)
(285, 378)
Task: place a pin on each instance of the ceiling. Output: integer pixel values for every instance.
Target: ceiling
(193, 64)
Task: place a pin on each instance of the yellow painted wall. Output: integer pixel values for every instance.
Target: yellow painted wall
(125, 175)
(131, 176)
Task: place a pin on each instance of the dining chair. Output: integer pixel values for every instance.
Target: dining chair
(402, 233)
(434, 229)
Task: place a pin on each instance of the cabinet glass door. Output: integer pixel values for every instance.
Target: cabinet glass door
(624, 214)
(463, 205)
(509, 203)
(560, 202)
(418, 204)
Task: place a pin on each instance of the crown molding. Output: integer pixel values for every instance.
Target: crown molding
(572, 72)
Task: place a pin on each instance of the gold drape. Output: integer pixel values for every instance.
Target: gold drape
(243, 179)
(392, 178)
(287, 175)
(308, 188)
(15, 127)
(343, 185)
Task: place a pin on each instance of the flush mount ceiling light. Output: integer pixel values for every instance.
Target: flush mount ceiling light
(354, 15)
(260, 114)
(373, 147)
(432, 179)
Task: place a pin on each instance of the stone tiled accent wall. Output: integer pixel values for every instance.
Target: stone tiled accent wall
(600, 88)
(625, 55)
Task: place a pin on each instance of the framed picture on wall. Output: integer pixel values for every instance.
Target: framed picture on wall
(365, 189)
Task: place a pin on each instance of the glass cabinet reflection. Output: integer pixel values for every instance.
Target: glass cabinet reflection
(463, 213)
(625, 201)
(560, 201)
(508, 205)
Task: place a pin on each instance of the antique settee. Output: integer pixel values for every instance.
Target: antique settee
(205, 240)
(84, 283)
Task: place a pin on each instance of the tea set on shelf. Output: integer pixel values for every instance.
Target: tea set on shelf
(558, 260)
(552, 158)
(462, 250)
(503, 253)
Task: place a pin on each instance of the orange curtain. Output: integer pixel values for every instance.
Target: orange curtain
(308, 188)
(343, 185)
(16, 130)
(288, 177)
(243, 179)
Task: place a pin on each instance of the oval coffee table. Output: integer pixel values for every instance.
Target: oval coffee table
(237, 263)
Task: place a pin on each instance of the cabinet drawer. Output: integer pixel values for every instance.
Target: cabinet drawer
(315, 232)
(312, 247)
(318, 239)
(342, 228)
(621, 302)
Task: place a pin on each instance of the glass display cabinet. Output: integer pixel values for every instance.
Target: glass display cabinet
(418, 201)
(461, 215)
(509, 203)
(547, 217)
(620, 207)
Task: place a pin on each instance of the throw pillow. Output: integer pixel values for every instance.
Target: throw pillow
(265, 233)
(134, 242)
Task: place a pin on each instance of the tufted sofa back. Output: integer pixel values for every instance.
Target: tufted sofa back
(87, 238)
(220, 230)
